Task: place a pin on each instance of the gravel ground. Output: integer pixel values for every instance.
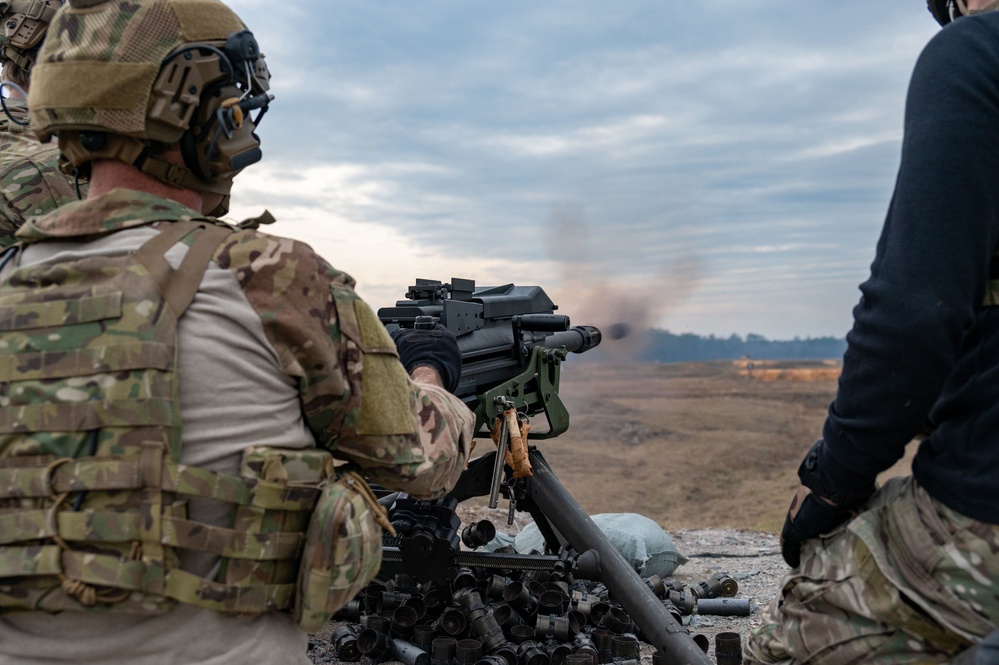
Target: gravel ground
(751, 558)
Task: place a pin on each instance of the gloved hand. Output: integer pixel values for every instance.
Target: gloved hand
(807, 517)
(436, 348)
(817, 507)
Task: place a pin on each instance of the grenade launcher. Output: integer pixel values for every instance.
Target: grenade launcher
(513, 344)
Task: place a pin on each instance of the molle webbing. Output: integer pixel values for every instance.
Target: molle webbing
(93, 498)
(16, 57)
(33, 9)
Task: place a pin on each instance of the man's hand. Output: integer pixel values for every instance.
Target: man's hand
(808, 516)
(435, 349)
(817, 508)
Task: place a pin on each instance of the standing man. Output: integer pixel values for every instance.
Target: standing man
(30, 180)
(910, 572)
(175, 392)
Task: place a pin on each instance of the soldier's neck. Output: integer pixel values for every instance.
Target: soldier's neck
(109, 174)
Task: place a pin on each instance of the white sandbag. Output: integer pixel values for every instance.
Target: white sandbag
(642, 542)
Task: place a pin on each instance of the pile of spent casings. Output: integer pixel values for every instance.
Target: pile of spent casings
(526, 618)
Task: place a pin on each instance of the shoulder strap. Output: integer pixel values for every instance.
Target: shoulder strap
(179, 286)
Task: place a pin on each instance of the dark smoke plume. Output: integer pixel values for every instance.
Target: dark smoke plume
(624, 304)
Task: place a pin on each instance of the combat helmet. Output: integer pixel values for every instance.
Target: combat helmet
(120, 79)
(945, 11)
(24, 25)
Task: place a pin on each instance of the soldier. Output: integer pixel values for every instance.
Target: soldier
(30, 180)
(181, 400)
(910, 572)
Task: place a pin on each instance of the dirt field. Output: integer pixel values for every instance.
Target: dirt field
(692, 446)
(707, 450)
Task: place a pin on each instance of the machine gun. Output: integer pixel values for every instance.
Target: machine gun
(513, 344)
(511, 341)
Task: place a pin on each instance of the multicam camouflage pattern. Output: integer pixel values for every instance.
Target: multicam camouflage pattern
(907, 581)
(90, 478)
(91, 487)
(346, 366)
(343, 551)
(305, 469)
(30, 180)
(89, 414)
(97, 66)
(88, 409)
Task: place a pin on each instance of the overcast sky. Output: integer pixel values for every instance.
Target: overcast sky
(715, 167)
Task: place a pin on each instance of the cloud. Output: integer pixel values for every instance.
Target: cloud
(317, 207)
(760, 138)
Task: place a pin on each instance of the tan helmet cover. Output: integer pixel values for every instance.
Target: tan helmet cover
(138, 72)
(96, 70)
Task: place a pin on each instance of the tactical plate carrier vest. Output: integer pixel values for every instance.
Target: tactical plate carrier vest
(93, 499)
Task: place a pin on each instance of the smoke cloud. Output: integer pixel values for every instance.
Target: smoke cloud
(604, 291)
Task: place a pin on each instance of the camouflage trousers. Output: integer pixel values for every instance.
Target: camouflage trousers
(906, 581)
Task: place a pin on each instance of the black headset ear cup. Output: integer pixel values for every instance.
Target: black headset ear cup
(189, 151)
(93, 141)
(241, 47)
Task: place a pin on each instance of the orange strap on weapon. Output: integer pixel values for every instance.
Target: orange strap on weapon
(517, 427)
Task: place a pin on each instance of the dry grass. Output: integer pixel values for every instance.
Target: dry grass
(697, 445)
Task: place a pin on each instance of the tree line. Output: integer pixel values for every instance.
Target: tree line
(664, 346)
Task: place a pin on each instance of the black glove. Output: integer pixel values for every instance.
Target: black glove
(437, 348)
(815, 517)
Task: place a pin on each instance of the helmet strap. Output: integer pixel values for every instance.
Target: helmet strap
(15, 56)
(222, 208)
(135, 152)
(114, 146)
(177, 175)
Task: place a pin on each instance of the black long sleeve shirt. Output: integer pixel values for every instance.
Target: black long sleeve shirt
(922, 346)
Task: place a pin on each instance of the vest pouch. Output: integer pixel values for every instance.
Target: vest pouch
(307, 468)
(343, 550)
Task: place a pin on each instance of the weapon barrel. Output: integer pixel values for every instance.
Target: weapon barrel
(624, 584)
(577, 340)
(544, 322)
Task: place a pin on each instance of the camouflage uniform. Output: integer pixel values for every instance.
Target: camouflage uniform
(277, 352)
(30, 180)
(907, 581)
